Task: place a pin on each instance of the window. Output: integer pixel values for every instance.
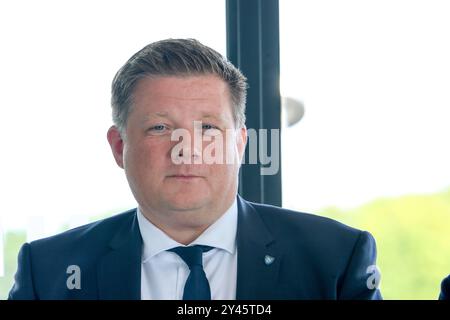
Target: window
(58, 60)
(372, 148)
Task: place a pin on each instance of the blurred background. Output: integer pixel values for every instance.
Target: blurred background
(371, 150)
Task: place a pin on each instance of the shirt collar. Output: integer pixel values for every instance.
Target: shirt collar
(221, 234)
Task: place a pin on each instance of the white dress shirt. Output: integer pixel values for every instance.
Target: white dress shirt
(163, 273)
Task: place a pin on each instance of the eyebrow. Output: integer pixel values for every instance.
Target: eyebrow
(212, 116)
(166, 115)
(160, 114)
(155, 114)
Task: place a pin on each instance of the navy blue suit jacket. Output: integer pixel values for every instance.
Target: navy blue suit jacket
(314, 258)
(445, 289)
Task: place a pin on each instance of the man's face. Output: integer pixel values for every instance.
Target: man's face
(162, 105)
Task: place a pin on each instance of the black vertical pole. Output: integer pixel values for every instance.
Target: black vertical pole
(253, 46)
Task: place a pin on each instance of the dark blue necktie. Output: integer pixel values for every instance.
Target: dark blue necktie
(197, 285)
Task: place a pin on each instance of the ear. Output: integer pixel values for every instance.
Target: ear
(241, 141)
(116, 142)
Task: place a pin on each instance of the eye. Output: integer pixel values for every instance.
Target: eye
(209, 126)
(210, 130)
(158, 129)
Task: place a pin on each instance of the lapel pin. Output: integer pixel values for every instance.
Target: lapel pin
(268, 260)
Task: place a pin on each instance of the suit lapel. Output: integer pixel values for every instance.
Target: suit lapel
(258, 256)
(119, 271)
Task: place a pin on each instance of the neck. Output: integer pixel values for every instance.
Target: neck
(185, 226)
(184, 236)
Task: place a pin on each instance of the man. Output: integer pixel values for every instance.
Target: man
(445, 289)
(192, 236)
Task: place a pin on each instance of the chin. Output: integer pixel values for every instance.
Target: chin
(184, 202)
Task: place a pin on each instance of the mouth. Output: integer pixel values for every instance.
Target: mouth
(184, 177)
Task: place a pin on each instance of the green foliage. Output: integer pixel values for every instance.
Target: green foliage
(12, 242)
(413, 241)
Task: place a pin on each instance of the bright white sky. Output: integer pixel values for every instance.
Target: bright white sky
(57, 62)
(374, 77)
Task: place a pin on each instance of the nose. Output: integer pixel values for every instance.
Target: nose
(188, 152)
(189, 149)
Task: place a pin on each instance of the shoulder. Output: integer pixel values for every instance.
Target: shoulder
(43, 265)
(331, 255)
(281, 220)
(310, 231)
(445, 289)
(90, 237)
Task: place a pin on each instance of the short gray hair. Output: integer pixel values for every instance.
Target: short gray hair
(175, 57)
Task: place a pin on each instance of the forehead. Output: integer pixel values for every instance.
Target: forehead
(165, 92)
